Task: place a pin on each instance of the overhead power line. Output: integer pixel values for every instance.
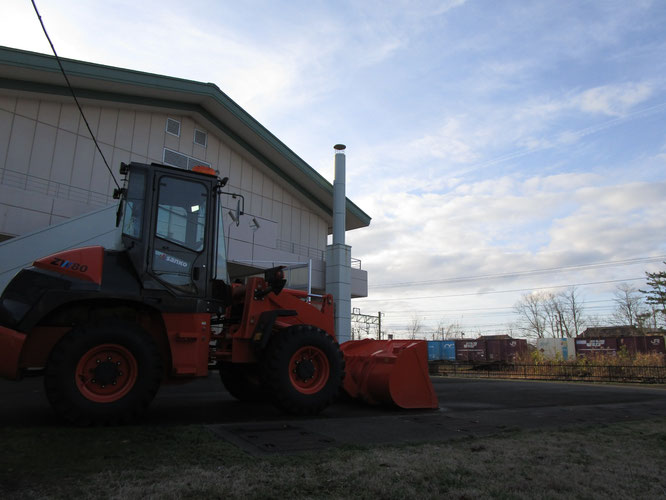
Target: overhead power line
(500, 291)
(71, 89)
(497, 309)
(517, 274)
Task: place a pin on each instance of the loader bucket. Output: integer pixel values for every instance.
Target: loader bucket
(389, 371)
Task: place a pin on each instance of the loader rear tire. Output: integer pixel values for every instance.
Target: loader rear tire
(103, 374)
(303, 369)
(242, 381)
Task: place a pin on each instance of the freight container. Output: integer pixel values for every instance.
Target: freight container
(550, 348)
(594, 347)
(656, 344)
(643, 344)
(441, 350)
(505, 350)
(448, 350)
(433, 350)
(471, 350)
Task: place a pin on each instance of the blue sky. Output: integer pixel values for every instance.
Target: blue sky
(483, 137)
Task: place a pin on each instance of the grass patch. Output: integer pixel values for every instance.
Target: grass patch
(613, 461)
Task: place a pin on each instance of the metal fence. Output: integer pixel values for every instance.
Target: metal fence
(608, 373)
(48, 187)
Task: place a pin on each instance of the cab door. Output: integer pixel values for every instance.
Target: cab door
(179, 251)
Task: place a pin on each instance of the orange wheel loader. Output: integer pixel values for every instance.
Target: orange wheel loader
(107, 327)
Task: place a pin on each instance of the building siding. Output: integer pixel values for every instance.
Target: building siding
(50, 165)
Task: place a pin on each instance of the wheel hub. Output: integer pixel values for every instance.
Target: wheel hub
(309, 370)
(305, 369)
(106, 373)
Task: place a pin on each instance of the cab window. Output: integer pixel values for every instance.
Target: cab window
(181, 212)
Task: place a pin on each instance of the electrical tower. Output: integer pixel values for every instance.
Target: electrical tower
(366, 325)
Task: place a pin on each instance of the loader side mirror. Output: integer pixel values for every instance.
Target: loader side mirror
(119, 212)
(238, 211)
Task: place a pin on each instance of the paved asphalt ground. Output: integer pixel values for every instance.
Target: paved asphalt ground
(468, 407)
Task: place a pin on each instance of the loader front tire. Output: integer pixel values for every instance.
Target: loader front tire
(303, 369)
(103, 374)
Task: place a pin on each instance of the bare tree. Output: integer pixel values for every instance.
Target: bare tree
(564, 313)
(454, 331)
(447, 330)
(532, 315)
(414, 327)
(556, 318)
(629, 306)
(576, 311)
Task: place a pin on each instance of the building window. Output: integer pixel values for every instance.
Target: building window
(176, 159)
(200, 137)
(173, 127)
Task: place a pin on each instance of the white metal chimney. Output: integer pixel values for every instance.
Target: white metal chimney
(338, 255)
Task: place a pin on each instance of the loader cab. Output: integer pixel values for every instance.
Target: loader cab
(169, 221)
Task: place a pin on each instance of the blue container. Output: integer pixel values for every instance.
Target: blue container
(441, 350)
(433, 350)
(448, 350)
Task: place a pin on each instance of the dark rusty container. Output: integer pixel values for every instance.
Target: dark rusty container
(471, 350)
(633, 345)
(597, 346)
(505, 350)
(642, 344)
(656, 344)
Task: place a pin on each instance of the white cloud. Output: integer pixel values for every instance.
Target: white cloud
(613, 100)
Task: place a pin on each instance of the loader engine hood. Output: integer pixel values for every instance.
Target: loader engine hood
(85, 263)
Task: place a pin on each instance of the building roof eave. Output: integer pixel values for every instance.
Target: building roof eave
(30, 71)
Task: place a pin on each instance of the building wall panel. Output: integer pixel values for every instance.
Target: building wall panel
(43, 148)
(213, 151)
(63, 156)
(100, 178)
(49, 113)
(246, 175)
(186, 136)
(69, 118)
(6, 120)
(107, 126)
(124, 130)
(224, 160)
(15, 221)
(28, 108)
(156, 137)
(83, 161)
(20, 144)
(236, 170)
(171, 142)
(199, 152)
(141, 136)
(92, 116)
(8, 103)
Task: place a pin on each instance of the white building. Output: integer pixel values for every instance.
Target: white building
(50, 170)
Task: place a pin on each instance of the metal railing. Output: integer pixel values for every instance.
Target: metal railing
(305, 251)
(310, 252)
(655, 374)
(56, 189)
